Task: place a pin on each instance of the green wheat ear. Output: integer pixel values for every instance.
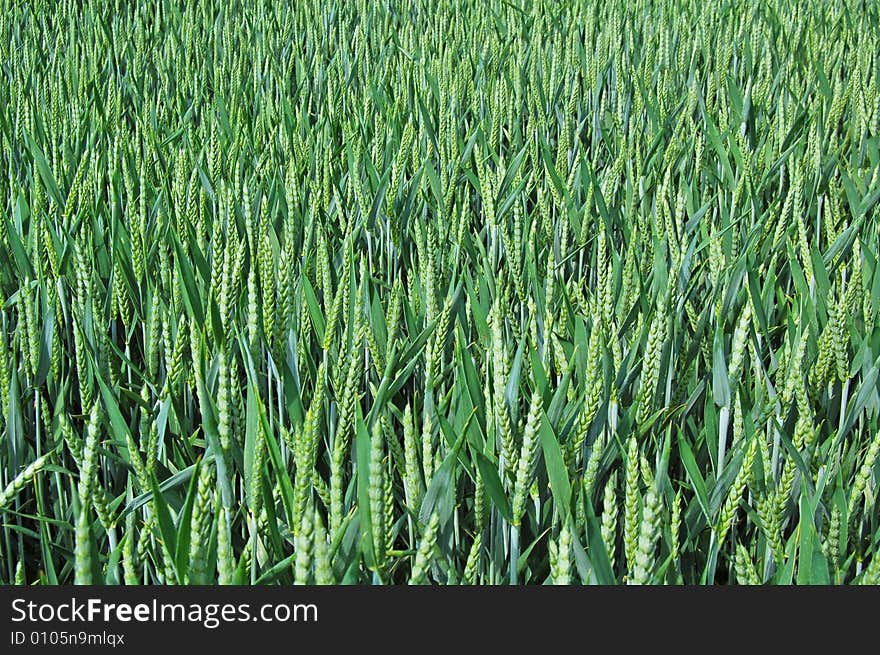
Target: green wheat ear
(20, 481)
(609, 517)
(83, 548)
(527, 457)
(426, 546)
(745, 570)
(648, 534)
(631, 504)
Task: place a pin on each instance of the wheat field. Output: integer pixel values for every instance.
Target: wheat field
(445, 292)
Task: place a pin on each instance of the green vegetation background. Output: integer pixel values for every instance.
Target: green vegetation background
(439, 292)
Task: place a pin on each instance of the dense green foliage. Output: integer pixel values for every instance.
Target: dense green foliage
(439, 292)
